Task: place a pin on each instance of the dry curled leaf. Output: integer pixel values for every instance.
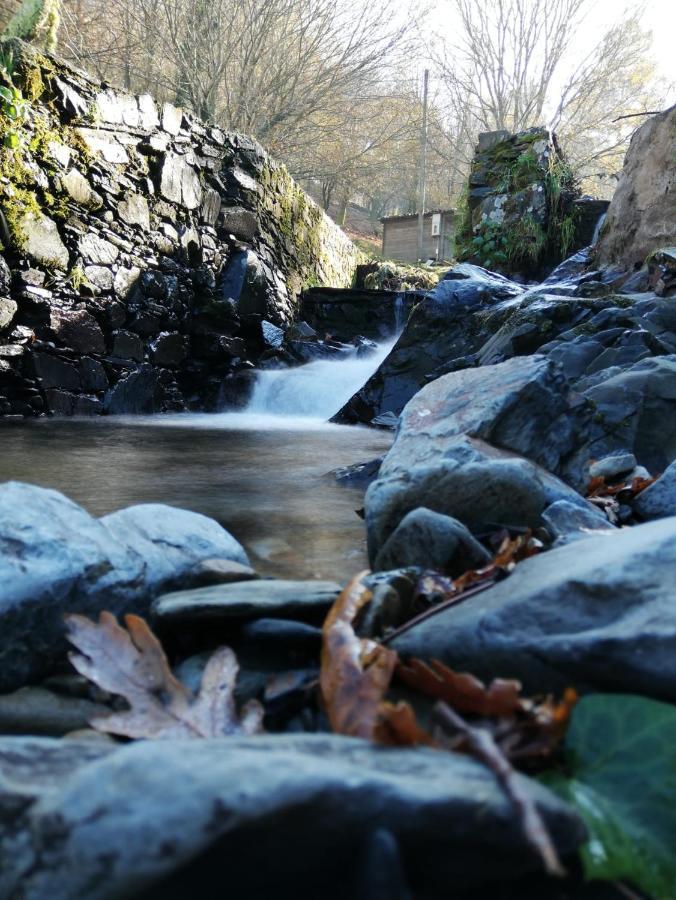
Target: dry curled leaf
(355, 672)
(462, 691)
(133, 665)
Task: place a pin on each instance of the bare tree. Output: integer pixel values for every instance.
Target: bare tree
(506, 56)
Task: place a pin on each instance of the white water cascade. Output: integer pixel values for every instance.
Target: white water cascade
(313, 391)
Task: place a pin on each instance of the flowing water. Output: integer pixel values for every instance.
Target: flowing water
(264, 473)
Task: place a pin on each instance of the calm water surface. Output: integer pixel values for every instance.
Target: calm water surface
(264, 479)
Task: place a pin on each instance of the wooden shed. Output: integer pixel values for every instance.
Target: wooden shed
(400, 236)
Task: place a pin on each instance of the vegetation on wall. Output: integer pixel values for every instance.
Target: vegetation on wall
(513, 241)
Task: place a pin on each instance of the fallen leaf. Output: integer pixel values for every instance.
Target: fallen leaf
(355, 672)
(133, 665)
(462, 691)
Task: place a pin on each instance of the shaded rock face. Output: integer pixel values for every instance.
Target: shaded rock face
(332, 817)
(642, 215)
(56, 558)
(615, 349)
(599, 613)
(148, 239)
(373, 314)
(479, 445)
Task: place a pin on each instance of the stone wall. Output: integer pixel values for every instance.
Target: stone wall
(142, 250)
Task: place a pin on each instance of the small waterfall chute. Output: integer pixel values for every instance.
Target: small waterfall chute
(316, 390)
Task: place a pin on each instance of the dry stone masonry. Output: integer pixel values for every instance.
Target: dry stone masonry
(144, 250)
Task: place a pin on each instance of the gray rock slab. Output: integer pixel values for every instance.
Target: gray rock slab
(171, 541)
(36, 710)
(42, 241)
(56, 558)
(316, 809)
(248, 600)
(659, 500)
(610, 466)
(432, 541)
(597, 613)
(568, 521)
(8, 310)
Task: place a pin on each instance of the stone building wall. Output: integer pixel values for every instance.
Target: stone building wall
(143, 250)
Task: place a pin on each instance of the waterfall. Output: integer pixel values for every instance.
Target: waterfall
(399, 313)
(598, 227)
(313, 391)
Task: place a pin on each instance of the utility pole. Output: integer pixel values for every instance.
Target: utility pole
(422, 173)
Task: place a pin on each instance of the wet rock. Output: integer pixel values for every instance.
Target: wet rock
(252, 799)
(359, 474)
(63, 403)
(127, 345)
(305, 600)
(598, 613)
(97, 250)
(611, 466)
(133, 210)
(56, 558)
(242, 223)
(171, 541)
(220, 571)
(636, 409)
(662, 271)
(100, 276)
(659, 500)
(54, 372)
(432, 541)
(42, 242)
(169, 350)
(456, 449)
(78, 329)
(568, 521)
(139, 393)
(272, 335)
(35, 710)
(284, 633)
(440, 328)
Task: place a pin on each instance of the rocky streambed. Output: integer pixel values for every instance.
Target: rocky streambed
(521, 526)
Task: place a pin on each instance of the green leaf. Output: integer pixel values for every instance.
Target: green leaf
(6, 94)
(622, 756)
(12, 140)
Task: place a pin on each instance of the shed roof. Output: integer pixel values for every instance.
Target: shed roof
(429, 212)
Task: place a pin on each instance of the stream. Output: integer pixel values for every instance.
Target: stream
(263, 473)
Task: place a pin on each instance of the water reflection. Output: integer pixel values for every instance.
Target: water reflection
(268, 487)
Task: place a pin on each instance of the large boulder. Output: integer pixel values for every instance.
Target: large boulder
(476, 445)
(641, 216)
(598, 613)
(56, 558)
(442, 327)
(303, 816)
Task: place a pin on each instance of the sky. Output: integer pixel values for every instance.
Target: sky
(659, 16)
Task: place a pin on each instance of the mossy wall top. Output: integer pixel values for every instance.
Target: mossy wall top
(141, 248)
(114, 139)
